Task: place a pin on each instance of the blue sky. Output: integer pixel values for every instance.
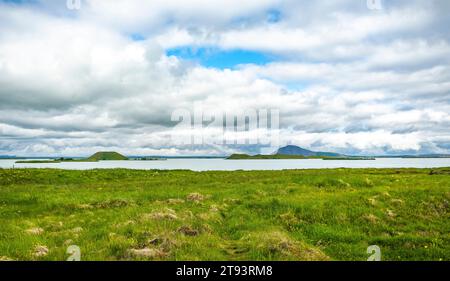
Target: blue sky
(210, 57)
(344, 76)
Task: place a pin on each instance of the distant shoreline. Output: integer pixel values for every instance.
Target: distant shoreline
(41, 160)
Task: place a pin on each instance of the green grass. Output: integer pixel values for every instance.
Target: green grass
(330, 214)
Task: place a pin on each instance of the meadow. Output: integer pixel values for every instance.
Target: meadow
(328, 214)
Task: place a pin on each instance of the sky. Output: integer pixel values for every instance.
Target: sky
(346, 76)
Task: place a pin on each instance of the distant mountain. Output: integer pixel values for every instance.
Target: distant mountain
(417, 156)
(7, 157)
(107, 155)
(296, 150)
(273, 156)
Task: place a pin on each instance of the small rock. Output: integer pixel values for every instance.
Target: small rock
(196, 197)
(4, 258)
(35, 231)
(40, 251)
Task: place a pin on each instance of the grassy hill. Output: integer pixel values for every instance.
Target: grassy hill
(107, 155)
(328, 214)
(99, 156)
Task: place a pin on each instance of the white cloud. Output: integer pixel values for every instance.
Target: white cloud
(349, 79)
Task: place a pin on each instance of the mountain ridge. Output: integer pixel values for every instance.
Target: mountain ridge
(299, 151)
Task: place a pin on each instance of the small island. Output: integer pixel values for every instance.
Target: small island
(295, 152)
(38, 161)
(349, 158)
(98, 156)
(147, 158)
(107, 156)
(282, 156)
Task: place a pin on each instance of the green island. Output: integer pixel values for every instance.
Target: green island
(274, 156)
(98, 156)
(296, 152)
(107, 156)
(38, 161)
(284, 156)
(329, 214)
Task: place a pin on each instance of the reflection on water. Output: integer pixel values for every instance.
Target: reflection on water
(230, 165)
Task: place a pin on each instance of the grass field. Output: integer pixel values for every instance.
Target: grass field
(257, 215)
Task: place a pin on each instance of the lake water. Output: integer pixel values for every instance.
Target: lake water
(230, 165)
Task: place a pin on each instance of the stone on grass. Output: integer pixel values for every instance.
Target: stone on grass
(195, 197)
(35, 231)
(40, 251)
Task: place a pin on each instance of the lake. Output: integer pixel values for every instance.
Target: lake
(231, 165)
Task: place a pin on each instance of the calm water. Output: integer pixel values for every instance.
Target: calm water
(230, 165)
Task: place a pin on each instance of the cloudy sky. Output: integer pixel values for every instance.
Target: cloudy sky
(345, 76)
